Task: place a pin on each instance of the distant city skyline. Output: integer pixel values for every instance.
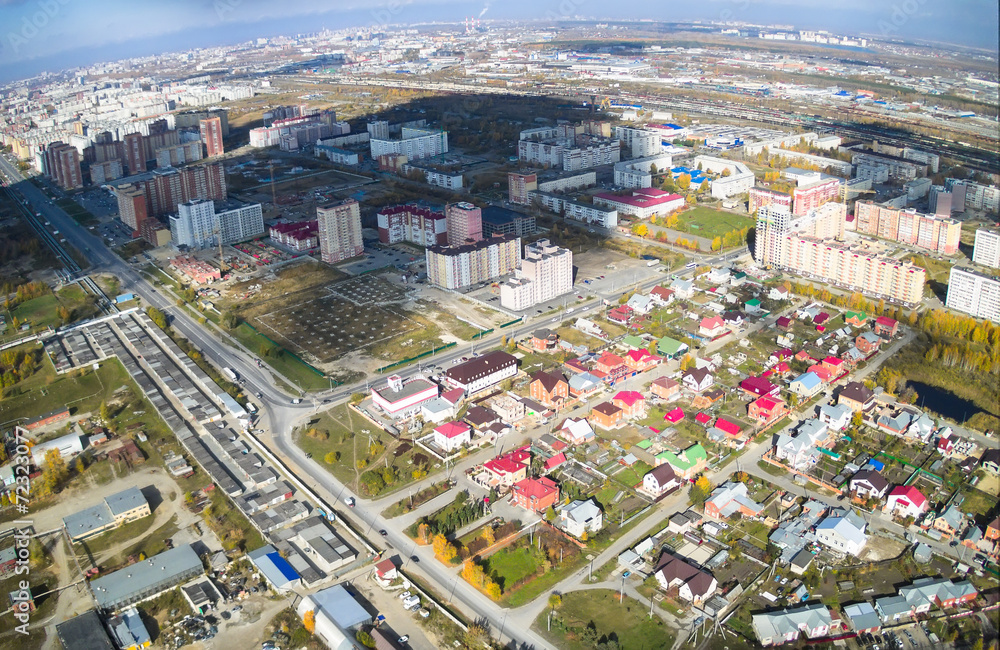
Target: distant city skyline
(53, 35)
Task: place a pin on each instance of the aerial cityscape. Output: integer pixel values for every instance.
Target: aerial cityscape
(534, 327)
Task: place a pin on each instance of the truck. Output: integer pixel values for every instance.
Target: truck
(228, 372)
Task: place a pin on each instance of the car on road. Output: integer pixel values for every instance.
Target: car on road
(383, 533)
(403, 639)
(349, 501)
(626, 574)
(309, 455)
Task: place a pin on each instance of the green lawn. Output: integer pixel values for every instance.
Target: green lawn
(41, 312)
(81, 390)
(600, 609)
(710, 223)
(286, 364)
(510, 565)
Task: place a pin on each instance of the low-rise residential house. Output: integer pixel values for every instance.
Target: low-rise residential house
(730, 498)
(868, 343)
(733, 318)
(583, 384)
(481, 417)
(759, 387)
(550, 389)
(822, 372)
(834, 365)
(612, 365)
(576, 431)
(698, 379)
(868, 484)
(783, 322)
(580, 517)
(693, 585)
(863, 618)
(640, 304)
(806, 385)
(665, 387)
(855, 318)
(785, 625)
(660, 480)
(843, 531)
(452, 435)
(622, 315)
(925, 593)
(671, 348)
(893, 608)
(778, 293)
(535, 494)
(674, 415)
(544, 340)
(800, 450)
(682, 288)
(886, 327)
(662, 296)
(606, 415)
(641, 360)
(836, 417)
(632, 404)
(857, 397)
(990, 461)
(727, 426)
(949, 522)
(509, 409)
(905, 501)
(712, 327)
(895, 423)
(504, 471)
(767, 409)
(688, 463)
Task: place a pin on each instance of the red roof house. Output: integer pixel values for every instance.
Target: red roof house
(632, 403)
(767, 409)
(729, 427)
(641, 360)
(674, 416)
(712, 327)
(621, 314)
(555, 461)
(703, 419)
(758, 387)
(535, 494)
(905, 501)
(784, 322)
(885, 326)
(612, 365)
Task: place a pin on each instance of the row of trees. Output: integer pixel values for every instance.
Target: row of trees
(16, 365)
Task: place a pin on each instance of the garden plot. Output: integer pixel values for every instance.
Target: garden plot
(343, 318)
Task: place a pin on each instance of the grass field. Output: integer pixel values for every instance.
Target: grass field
(41, 312)
(286, 364)
(710, 223)
(510, 565)
(80, 214)
(600, 609)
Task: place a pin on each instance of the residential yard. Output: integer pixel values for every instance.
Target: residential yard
(586, 618)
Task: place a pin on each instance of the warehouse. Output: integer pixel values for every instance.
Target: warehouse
(146, 579)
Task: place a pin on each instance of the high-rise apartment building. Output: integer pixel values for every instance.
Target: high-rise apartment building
(546, 272)
(640, 142)
(135, 153)
(211, 136)
(62, 165)
(811, 196)
(458, 267)
(986, 250)
(772, 225)
(932, 232)
(170, 187)
(519, 187)
(974, 294)
(761, 196)
(197, 224)
(412, 223)
(339, 231)
(464, 222)
(132, 208)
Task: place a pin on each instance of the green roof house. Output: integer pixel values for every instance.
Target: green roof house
(687, 463)
(670, 348)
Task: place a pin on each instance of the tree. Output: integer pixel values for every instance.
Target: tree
(309, 622)
(158, 317)
(105, 415)
(365, 639)
(476, 637)
(555, 600)
(550, 514)
(641, 230)
(331, 457)
(494, 592)
(717, 244)
(488, 536)
(443, 548)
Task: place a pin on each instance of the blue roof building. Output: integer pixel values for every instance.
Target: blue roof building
(276, 569)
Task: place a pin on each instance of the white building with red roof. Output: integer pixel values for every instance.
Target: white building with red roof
(905, 501)
(712, 327)
(644, 202)
(641, 360)
(452, 435)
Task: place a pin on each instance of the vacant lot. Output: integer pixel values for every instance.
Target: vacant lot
(706, 222)
(587, 618)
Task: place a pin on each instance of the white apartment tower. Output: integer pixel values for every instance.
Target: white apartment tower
(196, 224)
(339, 231)
(986, 250)
(546, 272)
(974, 294)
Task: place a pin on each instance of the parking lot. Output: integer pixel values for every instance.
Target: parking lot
(378, 257)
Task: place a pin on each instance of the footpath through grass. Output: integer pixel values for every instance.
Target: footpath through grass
(587, 618)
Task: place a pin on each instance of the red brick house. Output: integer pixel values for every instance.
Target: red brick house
(549, 389)
(535, 494)
(612, 365)
(665, 387)
(867, 342)
(758, 387)
(885, 326)
(51, 417)
(641, 360)
(544, 340)
(767, 409)
(834, 365)
(632, 404)
(606, 415)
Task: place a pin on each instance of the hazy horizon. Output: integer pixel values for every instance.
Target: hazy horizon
(54, 35)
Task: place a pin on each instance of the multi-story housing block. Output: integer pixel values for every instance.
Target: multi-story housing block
(339, 231)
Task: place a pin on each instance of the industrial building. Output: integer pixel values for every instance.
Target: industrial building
(146, 579)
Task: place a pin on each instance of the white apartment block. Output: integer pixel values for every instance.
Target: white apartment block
(899, 169)
(932, 160)
(974, 294)
(872, 172)
(546, 272)
(196, 224)
(458, 267)
(594, 155)
(739, 181)
(568, 182)
(790, 140)
(836, 166)
(415, 144)
(967, 194)
(986, 250)
(594, 215)
(638, 173)
(772, 225)
(339, 231)
(540, 153)
(640, 142)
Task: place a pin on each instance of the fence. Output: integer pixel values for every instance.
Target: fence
(428, 353)
(513, 322)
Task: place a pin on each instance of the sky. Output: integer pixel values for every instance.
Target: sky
(37, 35)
